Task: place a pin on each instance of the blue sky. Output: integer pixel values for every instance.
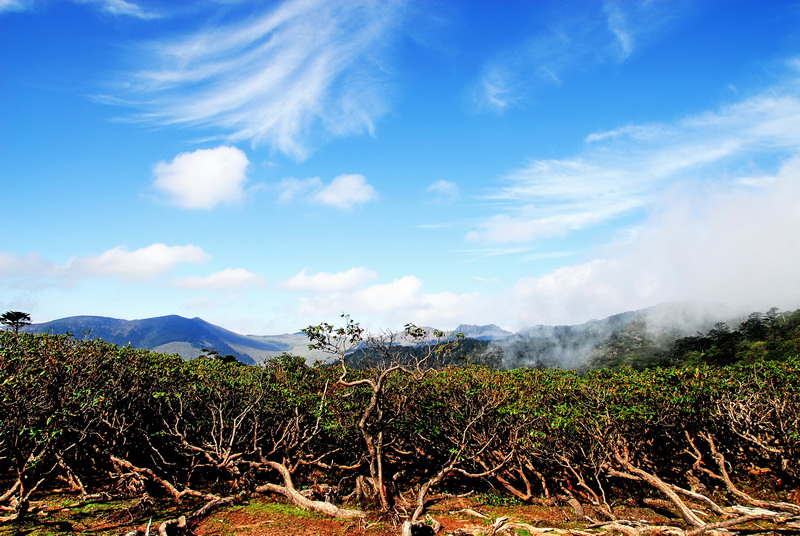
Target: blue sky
(269, 165)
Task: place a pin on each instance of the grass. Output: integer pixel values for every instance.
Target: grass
(263, 506)
(67, 515)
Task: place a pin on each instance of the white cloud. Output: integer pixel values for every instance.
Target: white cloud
(345, 192)
(291, 188)
(302, 71)
(732, 246)
(391, 305)
(625, 170)
(204, 178)
(13, 265)
(228, 279)
(144, 263)
(330, 282)
(120, 7)
(444, 191)
(400, 294)
(112, 7)
(16, 5)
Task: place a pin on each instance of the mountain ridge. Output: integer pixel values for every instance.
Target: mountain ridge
(567, 346)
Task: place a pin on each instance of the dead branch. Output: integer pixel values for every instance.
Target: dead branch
(290, 492)
(685, 512)
(719, 458)
(169, 487)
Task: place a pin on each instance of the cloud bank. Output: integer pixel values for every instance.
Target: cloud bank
(705, 243)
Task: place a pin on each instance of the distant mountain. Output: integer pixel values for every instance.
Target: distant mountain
(636, 338)
(489, 332)
(168, 334)
(627, 338)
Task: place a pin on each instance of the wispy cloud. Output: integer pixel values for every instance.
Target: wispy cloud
(587, 35)
(140, 264)
(144, 263)
(301, 72)
(330, 282)
(344, 192)
(204, 178)
(622, 171)
(121, 8)
(443, 192)
(484, 253)
(7, 6)
(228, 279)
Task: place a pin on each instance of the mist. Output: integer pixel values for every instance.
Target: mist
(573, 347)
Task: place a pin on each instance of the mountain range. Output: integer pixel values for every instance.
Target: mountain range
(173, 334)
(567, 346)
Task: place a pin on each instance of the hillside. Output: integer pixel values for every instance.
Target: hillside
(171, 334)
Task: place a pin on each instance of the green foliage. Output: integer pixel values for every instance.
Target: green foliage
(771, 336)
(71, 408)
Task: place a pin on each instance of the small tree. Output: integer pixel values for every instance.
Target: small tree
(15, 320)
(413, 353)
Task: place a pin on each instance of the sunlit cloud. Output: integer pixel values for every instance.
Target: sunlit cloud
(298, 74)
(204, 178)
(228, 279)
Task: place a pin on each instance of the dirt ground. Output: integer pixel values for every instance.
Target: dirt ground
(265, 517)
(269, 516)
